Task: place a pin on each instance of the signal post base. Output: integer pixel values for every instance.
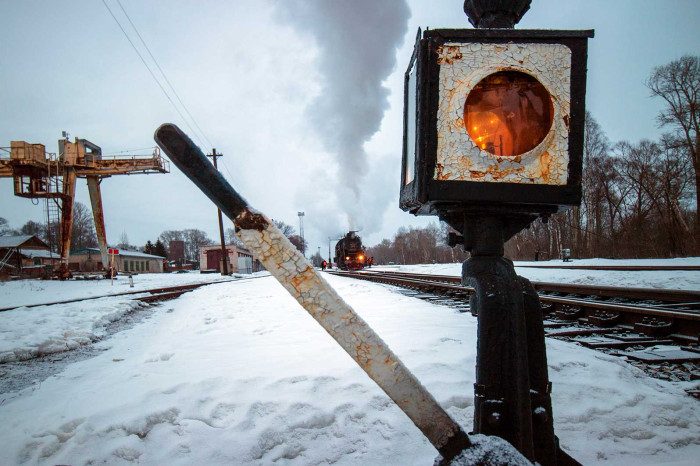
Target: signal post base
(512, 389)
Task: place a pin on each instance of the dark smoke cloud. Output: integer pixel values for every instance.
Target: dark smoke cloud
(357, 42)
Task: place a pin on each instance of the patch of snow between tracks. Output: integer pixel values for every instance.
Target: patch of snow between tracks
(29, 333)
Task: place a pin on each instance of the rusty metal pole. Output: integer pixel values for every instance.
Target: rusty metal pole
(224, 253)
(330, 258)
(67, 199)
(93, 183)
(111, 268)
(322, 302)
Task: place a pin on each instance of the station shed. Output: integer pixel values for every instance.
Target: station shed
(90, 260)
(241, 260)
(26, 255)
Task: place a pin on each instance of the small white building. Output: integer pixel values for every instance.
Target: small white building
(90, 260)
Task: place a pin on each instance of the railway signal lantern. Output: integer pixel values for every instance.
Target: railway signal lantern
(493, 139)
(494, 117)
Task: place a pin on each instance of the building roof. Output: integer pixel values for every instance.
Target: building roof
(39, 253)
(233, 246)
(24, 241)
(122, 253)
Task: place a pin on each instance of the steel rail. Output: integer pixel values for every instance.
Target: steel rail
(624, 268)
(685, 323)
(687, 297)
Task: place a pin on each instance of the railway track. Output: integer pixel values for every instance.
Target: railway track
(656, 330)
(150, 295)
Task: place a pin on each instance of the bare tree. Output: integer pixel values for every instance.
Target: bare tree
(34, 228)
(595, 147)
(417, 246)
(231, 238)
(301, 245)
(171, 235)
(675, 190)
(291, 234)
(193, 240)
(316, 259)
(382, 252)
(83, 233)
(287, 230)
(678, 84)
(124, 242)
(636, 166)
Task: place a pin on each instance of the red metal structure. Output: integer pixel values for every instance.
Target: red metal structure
(41, 175)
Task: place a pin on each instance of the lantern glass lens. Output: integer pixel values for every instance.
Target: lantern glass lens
(508, 113)
(410, 149)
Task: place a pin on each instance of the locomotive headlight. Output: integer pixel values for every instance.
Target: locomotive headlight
(361, 258)
(347, 258)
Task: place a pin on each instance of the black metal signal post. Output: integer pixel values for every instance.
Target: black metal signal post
(493, 139)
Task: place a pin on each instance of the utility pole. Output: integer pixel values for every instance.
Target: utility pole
(301, 232)
(224, 254)
(330, 257)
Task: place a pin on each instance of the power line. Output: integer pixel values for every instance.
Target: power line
(151, 72)
(129, 150)
(227, 170)
(164, 76)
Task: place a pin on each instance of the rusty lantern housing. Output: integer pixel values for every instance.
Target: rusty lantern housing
(494, 119)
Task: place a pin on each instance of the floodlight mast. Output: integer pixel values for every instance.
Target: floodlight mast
(489, 185)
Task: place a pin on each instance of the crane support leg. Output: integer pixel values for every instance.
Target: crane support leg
(69, 178)
(93, 183)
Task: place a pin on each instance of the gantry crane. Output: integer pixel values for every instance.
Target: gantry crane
(41, 175)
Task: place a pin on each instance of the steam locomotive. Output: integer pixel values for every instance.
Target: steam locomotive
(349, 252)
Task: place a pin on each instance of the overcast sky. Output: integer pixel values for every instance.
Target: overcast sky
(303, 98)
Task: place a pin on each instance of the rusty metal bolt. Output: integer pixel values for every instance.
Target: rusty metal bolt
(540, 415)
(494, 419)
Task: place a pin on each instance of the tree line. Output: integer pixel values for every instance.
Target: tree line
(417, 246)
(637, 202)
(640, 199)
(83, 236)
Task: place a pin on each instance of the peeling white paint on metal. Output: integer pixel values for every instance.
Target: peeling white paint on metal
(353, 334)
(462, 66)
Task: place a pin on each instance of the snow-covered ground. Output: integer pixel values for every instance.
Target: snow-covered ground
(37, 331)
(238, 373)
(27, 292)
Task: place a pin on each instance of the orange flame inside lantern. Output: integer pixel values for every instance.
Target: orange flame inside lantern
(508, 113)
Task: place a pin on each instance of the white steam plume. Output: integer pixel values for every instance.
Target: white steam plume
(357, 42)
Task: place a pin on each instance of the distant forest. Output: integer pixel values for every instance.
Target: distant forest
(83, 236)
